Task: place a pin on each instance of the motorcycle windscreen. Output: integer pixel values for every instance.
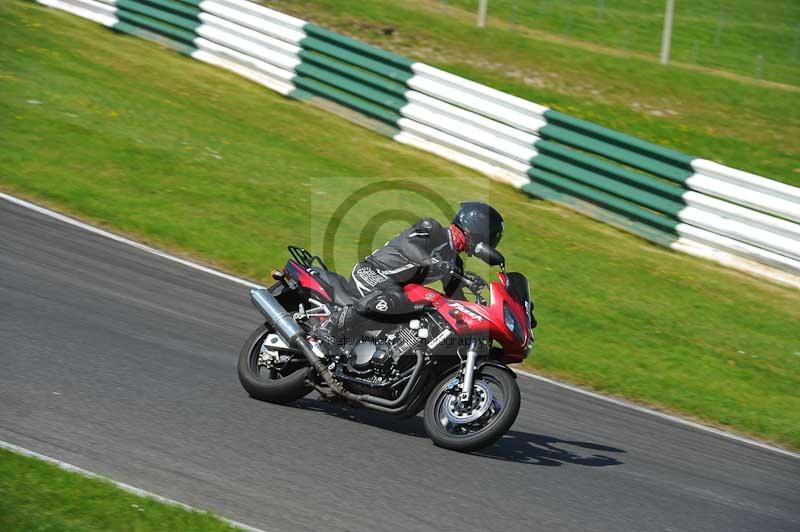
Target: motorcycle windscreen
(518, 287)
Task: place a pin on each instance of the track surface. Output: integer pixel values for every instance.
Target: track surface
(123, 363)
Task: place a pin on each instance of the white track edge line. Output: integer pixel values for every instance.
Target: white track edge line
(123, 240)
(121, 485)
(576, 389)
(656, 413)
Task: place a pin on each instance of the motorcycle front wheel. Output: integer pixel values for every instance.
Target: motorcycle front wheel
(282, 383)
(465, 428)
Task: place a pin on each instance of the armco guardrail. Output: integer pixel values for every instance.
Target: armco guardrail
(693, 205)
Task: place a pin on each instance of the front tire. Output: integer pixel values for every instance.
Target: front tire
(455, 429)
(270, 385)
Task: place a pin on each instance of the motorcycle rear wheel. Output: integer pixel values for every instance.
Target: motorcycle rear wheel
(447, 431)
(269, 385)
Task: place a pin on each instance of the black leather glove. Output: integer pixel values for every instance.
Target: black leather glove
(476, 283)
(437, 265)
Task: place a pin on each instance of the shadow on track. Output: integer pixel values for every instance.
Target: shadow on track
(515, 446)
(538, 449)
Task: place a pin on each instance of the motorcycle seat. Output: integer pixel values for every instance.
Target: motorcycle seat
(340, 288)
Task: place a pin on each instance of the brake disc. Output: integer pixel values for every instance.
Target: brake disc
(481, 401)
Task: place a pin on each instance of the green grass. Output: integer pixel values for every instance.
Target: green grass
(749, 28)
(745, 123)
(197, 160)
(35, 495)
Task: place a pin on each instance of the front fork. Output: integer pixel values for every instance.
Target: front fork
(469, 372)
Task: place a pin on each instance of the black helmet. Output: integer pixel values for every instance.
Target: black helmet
(480, 222)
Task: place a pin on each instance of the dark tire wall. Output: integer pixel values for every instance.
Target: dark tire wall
(280, 391)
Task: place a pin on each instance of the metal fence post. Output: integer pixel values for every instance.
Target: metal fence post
(720, 24)
(482, 8)
(666, 37)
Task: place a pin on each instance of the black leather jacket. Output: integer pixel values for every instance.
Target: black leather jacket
(421, 254)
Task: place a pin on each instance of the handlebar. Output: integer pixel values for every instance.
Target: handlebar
(474, 282)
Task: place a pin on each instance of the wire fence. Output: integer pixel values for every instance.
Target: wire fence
(754, 38)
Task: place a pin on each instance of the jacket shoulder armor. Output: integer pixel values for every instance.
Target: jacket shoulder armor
(425, 228)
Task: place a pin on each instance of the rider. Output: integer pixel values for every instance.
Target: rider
(424, 253)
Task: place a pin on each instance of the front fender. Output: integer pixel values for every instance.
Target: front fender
(495, 365)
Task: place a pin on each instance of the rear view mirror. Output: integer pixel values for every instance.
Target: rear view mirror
(489, 255)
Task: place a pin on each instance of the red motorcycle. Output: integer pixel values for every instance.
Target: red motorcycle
(451, 358)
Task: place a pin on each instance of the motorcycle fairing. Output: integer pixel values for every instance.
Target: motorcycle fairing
(469, 318)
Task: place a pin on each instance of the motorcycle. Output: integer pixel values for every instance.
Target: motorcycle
(450, 358)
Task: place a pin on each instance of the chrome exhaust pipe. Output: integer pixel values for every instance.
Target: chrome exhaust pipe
(276, 315)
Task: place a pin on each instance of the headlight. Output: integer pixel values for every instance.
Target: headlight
(512, 323)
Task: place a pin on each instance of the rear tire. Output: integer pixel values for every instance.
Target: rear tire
(486, 430)
(274, 388)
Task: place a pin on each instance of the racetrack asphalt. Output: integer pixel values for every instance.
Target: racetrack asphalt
(124, 363)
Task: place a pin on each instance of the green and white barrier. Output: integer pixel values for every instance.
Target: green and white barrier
(676, 200)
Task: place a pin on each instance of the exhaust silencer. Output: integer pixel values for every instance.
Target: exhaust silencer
(291, 332)
(276, 315)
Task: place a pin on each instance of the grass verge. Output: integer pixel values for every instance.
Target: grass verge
(197, 160)
(35, 495)
(741, 122)
(728, 35)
